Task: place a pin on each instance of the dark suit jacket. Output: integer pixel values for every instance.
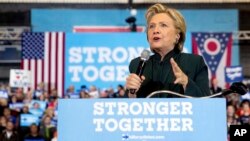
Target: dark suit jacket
(159, 74)
(13, 137)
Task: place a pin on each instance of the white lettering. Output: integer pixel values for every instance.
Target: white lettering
(98, 108)
(107, 73)
(121, 73)
(110, 106)
(104, 55)
(87, 73)
(123, 108)
(75, 55)
(120, 55)
(75, 70)
(89, 51)
(135, 108)
(187, 124)
(175, 124)
(175, 108)
(137, 124)
(186, 108)
(111, 125)
(98, 123)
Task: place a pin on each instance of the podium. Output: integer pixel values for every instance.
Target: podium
(155, 119)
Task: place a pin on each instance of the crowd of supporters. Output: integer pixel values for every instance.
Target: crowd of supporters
(18, 109)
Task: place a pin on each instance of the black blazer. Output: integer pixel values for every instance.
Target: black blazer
(159, 74)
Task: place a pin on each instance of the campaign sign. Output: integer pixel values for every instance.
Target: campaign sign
(20, 78)
(4, 94)
(233, 74)
(18, 105)
(28, 119)
(38, 104)
(103, 59)
(176, 119)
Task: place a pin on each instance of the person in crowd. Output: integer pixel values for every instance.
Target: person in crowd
(19, 94)
(3, 123)
(119, 93)
(50, 111)
(110, 92)
(93, 92)
(42, 98)
(13, 101)
(71, 92)
(4, 91)
(214, 86)
(244, 112)
(46, 96)
(53, 93)
(47, 129)
(232, 118)
(53, 102)
(9, 134)
(234, 99)
(28, 97)
(8, 116)
(3, 104)
(39, 91)
(168, 68)
(34, 135)
(25, 110)
(84, 94)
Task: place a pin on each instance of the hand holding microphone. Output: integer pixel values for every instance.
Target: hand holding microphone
(133, 83)
(134, 80)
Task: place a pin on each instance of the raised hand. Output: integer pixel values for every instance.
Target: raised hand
(181, 78)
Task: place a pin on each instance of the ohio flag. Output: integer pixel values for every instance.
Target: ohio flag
(216, 49)
(43, 55)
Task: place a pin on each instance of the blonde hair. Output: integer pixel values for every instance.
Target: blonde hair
(175, 15)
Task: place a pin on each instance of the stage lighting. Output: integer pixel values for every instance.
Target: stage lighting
(131, 20)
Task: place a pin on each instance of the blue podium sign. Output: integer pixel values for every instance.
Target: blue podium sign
(175, 119)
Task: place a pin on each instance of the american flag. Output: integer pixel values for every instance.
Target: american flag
(216, 50)
(43, 55)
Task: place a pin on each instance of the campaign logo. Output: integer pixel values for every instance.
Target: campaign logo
(125, 137)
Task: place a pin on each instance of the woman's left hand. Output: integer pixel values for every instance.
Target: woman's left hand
(181, 78)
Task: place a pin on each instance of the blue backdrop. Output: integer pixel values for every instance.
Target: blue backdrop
(214, 20)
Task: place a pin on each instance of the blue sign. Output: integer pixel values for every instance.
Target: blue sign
(142, 119)
(18, 105)
(38, 104)
(28, 119)
(233, 74)
(102, 59)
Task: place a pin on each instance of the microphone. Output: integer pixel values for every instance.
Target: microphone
(143, 59)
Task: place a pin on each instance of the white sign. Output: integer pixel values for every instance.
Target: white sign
(20, 78)
(4, 94)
